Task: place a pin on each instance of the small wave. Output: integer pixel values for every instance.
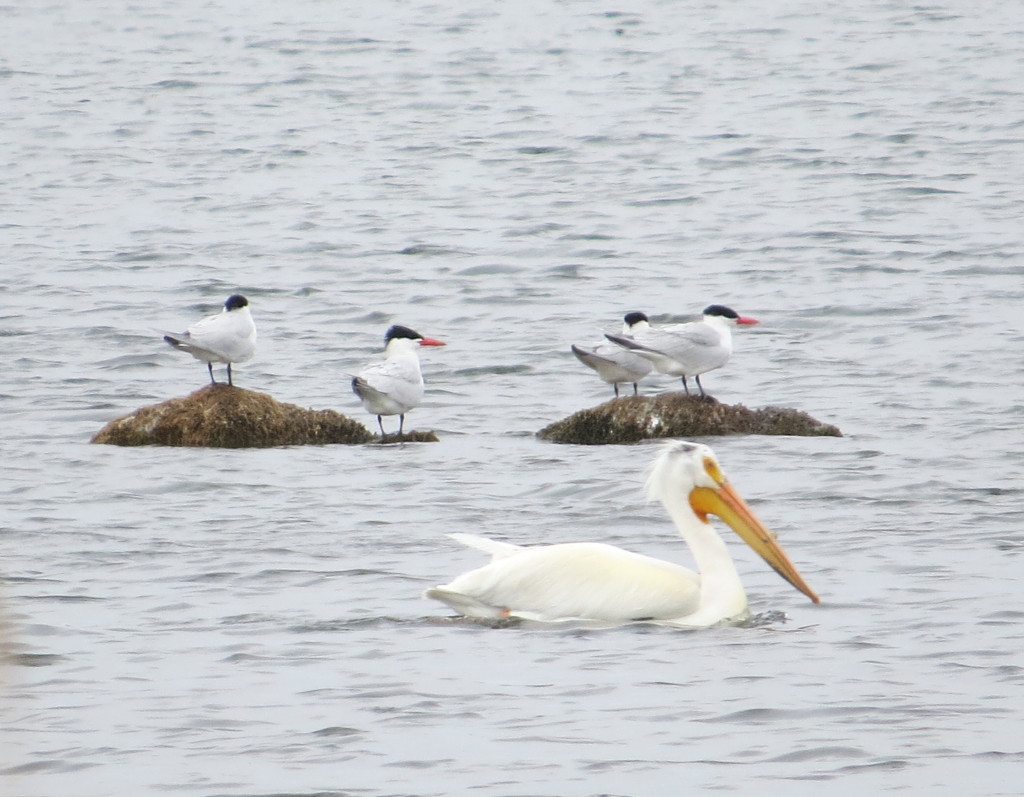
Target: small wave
(34, 659)
(539, 150)
(337, 730)
(430, 250)
(828, 752)
(175, 84)
(494, 369)
(127, 361)
(46, 765)
(924, 190)
(346, 625)
(674, 200)
(488, 269)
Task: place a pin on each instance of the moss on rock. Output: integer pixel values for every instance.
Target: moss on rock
(222, 416)
(633, 418)
(408, 437)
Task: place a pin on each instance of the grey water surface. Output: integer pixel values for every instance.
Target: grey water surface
(510, 178)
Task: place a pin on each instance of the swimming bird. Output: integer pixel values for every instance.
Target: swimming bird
(227, 337)
(613, 363)
(394, 386)
(598, 582)
(688, 349)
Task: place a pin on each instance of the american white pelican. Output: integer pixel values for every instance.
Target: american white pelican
(598, 582)
(688, 349)
(613, 363)
(228, 337)
(394, 386)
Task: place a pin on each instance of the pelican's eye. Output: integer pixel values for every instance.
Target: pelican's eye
(712, 469)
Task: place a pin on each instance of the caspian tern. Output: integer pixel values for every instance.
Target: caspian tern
(228, 337)
(613, 363)
(603, 583)
(395, 386)
(688, 349)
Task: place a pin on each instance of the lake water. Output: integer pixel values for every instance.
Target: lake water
(509, 178)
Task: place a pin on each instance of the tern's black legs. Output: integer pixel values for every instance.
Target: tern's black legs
(383, 434)
(699, 385)
(214, 381)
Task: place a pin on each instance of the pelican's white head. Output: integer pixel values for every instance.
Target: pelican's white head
(679, 468)
(688, 480)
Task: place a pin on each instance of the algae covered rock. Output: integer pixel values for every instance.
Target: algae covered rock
(409, 437)
(222, 416)
(634, 418)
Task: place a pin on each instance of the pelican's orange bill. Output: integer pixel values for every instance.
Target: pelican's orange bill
(729, 505)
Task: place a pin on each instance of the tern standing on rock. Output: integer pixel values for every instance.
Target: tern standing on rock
(688, 349)
(228, 337)
(613, 363)
(395, 386)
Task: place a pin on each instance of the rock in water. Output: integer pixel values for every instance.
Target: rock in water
(408, 437)
(221, 416)
(634, 418)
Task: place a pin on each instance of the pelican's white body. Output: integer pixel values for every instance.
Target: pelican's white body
(599, 582)
(612, 362)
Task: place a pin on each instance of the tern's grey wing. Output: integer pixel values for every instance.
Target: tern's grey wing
(184, 342)
(398, 370)
(231, 336)
(696, 334)
(397, 381)
(624, 341)
(650, 343)
(590, 357)
(365, 390)
(176, 339)
(613, 363)
(678, 345)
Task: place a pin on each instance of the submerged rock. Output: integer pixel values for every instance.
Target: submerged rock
(222, 416)
(633, 418)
